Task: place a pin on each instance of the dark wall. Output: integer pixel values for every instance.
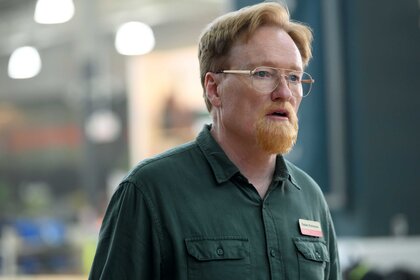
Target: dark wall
(382, 55)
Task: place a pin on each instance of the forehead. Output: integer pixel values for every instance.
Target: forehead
(268, 46)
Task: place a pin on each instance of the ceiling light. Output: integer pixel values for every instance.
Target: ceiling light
(134, 38)
(103, 126)
(24, 63)
(53, 11)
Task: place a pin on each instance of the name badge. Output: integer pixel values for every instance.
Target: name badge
(310, 228)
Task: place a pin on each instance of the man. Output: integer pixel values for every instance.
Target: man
(228, 205)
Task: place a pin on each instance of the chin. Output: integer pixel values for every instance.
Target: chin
(276, 138)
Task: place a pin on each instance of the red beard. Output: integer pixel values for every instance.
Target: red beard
(277, 137)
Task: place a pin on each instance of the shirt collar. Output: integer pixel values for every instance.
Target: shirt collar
(223, 168)
(281, 172)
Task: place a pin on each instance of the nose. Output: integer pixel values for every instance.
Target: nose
(282, 90)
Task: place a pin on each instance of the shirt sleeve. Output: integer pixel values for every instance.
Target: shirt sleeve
(128, 246)
(334, 264)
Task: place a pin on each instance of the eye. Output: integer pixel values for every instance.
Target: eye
(263, 73)
(293, 77)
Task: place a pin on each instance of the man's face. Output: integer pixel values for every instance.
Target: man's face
(268, 120)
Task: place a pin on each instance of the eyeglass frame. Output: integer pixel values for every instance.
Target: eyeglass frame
(251, 72)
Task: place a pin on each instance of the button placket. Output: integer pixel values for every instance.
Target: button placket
(271, 239)
(273, 253)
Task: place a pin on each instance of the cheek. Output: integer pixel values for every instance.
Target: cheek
(240, 102)
(297, 104)
(249, 104)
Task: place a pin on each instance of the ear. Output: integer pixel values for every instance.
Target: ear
(211, 84)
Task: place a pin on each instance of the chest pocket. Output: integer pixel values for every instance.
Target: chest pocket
(218, 258)
(312, 256)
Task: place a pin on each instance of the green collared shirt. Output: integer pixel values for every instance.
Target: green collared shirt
(190, 214)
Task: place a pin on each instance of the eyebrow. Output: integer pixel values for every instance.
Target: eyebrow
(251, 66)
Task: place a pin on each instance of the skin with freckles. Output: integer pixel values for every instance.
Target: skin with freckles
(243, 120)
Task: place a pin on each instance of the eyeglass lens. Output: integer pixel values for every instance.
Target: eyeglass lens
(266, 79)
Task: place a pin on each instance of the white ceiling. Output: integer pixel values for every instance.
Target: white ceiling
(64, 47)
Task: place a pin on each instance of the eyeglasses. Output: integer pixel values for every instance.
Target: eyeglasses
(266, 79)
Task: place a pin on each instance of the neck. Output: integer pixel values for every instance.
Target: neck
(254, 163)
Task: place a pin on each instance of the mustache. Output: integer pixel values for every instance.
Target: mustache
(283, 107)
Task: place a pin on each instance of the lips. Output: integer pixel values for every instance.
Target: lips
(284, 113)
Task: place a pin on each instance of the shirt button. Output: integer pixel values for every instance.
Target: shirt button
(318, 256)
(272, 253)
(219, 251)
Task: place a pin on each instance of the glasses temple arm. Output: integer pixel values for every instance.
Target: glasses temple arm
(308, 81)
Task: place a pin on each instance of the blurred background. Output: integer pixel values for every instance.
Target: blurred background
(89, 88)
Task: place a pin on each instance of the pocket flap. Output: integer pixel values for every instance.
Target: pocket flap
(225, 248)
(312, 249)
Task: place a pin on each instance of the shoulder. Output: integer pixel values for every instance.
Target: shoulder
(303, 180)
(299, 175)
(166, 163)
